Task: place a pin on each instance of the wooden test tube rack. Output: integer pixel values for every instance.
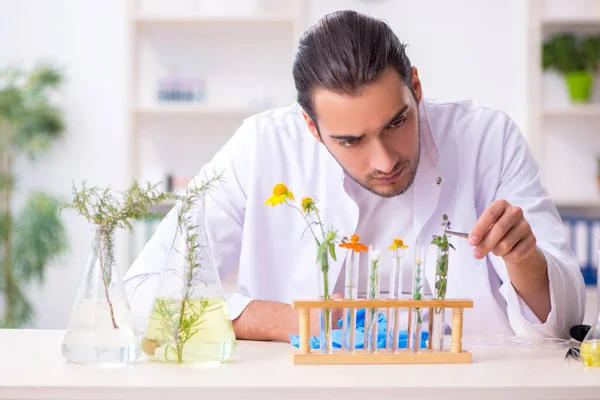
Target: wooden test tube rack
(455, 355)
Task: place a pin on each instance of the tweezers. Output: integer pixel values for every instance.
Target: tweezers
(460, 234)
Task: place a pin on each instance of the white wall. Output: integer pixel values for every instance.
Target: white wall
(87, 38)
(462, 48)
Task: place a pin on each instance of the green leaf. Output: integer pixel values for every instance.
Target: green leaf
(5, 223)
(10, 104)
(20, 312)
(332, 251)
(566, 52)
(39, 126)
(43, 77)
(39, 236)
(451, 245)
(32, 122)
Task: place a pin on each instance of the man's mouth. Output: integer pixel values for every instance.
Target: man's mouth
(387, 179)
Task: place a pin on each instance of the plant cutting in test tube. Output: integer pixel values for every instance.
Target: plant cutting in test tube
(372, 294)
(417, 294)
(325, 248)
(395, 291)
(441, 283)
(351, 289)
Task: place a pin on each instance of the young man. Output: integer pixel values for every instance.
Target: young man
(383, 163)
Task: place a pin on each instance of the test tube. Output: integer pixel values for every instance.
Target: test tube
(372, 314)
(351, 292)
(395, 292)
(417, 294)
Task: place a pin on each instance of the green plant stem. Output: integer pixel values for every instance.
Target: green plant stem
(324, 264)
(191, 255)
(307, 223)
(373, 277)
(320, 224)
(418, 295)
(178, 344)
(7, 189)
(327, 311)
(105, 278)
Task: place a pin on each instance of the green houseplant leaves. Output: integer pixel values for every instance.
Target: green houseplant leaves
(31, 235)
(575, 57)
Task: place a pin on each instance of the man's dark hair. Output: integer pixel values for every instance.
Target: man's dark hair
(343, 52)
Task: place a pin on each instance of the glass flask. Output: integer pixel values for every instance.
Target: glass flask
(189, 321)
(590, 347)
(101, 327)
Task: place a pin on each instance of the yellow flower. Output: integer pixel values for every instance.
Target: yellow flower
(398, 244)
(307, 204)
(280, 194)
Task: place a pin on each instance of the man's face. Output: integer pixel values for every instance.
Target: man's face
(374, 136)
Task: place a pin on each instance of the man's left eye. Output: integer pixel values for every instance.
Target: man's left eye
(398, 123)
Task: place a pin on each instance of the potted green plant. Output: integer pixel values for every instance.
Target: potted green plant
(577, 59)
(31, 235)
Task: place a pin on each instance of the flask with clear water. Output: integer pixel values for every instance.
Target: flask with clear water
(189, 321)
(101, 327)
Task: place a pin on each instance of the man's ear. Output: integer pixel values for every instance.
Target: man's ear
(416, 84)
(311, 126)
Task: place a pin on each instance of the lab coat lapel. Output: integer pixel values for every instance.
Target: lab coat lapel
(428, 182)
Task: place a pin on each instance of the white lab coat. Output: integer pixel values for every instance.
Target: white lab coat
(478, 153)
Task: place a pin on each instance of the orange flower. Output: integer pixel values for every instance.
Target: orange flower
(398, 244)
(353, 244)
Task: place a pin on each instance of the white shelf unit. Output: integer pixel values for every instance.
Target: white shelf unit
(564, 137)
(196, 109)
(214, 19)
(583, 110)
(242, 50)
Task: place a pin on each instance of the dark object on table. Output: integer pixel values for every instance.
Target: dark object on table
(578, 334)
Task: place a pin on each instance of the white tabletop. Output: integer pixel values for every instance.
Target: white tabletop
(31, 367)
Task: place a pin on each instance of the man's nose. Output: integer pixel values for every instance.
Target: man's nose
(382, 159)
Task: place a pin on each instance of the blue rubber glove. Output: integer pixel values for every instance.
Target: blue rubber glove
(336, 335)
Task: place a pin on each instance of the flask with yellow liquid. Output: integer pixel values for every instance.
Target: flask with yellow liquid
(189, 321)
(590, 347)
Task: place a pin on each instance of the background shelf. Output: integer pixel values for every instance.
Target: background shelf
(583, 110)
(213, 19)
(196, 109)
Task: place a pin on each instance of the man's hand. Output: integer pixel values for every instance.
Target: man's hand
(503, 231)
(269, 320)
